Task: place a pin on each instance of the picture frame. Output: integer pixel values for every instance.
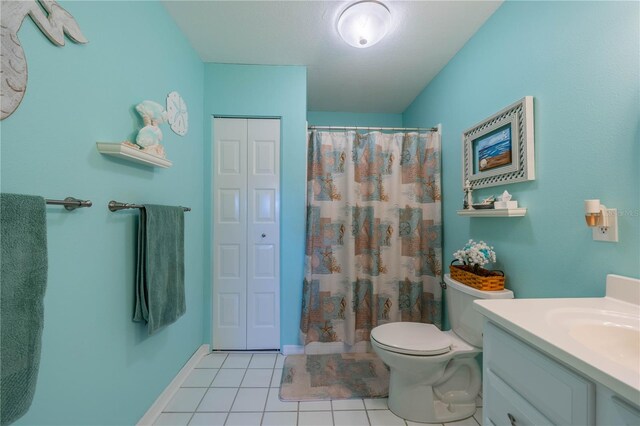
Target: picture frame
(500, 149)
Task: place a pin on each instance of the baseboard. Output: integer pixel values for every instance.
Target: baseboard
(156, 408)
(292, 349)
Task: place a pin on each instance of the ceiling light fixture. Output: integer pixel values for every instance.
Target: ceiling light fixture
(364, 23)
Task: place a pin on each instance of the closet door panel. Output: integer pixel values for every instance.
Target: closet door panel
(263, 234)
(230, 234)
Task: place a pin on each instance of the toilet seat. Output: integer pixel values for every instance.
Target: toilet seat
(412, 338)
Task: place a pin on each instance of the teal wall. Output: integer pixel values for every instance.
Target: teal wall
(580, 61)
(267, 91)
(97, 366)
(326, 118)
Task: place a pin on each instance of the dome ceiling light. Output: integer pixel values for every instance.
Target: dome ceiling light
(364, 23)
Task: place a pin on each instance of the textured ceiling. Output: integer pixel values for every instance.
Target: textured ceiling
(385, 78)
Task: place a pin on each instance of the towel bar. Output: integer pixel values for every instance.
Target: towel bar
(114, 206)
(70, 203)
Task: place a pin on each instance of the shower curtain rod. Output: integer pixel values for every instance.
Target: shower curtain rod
(412, 129)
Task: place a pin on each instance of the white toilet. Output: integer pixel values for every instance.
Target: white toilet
(434, 375)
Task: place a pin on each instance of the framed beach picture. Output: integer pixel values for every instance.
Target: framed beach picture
(500, 150)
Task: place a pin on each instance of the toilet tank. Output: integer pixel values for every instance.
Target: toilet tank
(465, 321)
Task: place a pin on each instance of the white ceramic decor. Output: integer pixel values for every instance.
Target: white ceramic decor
(177, 113)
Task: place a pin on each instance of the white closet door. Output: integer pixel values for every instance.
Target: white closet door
(229, 310)
(246, 226)
(263, 235)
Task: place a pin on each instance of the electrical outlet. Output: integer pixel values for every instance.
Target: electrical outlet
(608, 233)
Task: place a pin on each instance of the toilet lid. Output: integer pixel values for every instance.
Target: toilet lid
(412, 338)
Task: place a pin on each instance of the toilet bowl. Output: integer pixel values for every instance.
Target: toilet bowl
(434, 376)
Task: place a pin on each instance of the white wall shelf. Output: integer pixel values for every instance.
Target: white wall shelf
(123, 150)
(519, 212)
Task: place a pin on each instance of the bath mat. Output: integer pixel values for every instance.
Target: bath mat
(333, 376)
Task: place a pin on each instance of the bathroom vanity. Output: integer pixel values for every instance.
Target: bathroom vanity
(563, 361)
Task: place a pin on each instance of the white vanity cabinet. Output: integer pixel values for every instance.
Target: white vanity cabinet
(524, 386)
(563, 361)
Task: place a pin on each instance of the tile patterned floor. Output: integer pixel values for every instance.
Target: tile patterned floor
(241, 389)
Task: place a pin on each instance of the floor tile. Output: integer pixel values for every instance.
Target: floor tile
(172, 419)
(347, 404)
(199, 378)
(274, 403)
(465, 422)
(244, 419)
(208, 419)
(228, 378)
(263, 361)
(237, 361)
(315, 406)
(250, 399)
(315, 418)
(350, 418)
(384, 418)
(478, 415)
(218, 399)
(376, 403)
(257, 378)
(277, 378)
(244, 390)
(185, 400)
(280, 419)
(213, 360)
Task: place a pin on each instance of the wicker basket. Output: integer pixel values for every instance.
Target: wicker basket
(493, 282)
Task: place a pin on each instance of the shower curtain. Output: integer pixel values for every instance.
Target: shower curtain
(373, 237)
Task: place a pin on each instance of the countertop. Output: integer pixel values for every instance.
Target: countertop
(536, 322)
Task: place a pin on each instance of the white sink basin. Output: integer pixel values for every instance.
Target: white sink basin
(598, 337)
(614, 335)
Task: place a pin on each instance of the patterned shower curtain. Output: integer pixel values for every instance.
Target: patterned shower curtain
(373, 241)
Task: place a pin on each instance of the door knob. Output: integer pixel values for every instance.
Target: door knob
(512, 419)
(264, 235)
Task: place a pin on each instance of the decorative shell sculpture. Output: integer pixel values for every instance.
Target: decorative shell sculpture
(13, 69)
(150, 136)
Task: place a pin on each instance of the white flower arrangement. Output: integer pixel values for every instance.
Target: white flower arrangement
(475, 254)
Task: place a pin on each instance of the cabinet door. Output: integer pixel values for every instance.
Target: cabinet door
(563, 396)
(614, 410)
(503, 406)
(629, 414)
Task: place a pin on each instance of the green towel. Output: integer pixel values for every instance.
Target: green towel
(23, 265)
(160, 270)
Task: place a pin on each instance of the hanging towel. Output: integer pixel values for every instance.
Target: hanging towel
(23, 265)
(160, 270)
